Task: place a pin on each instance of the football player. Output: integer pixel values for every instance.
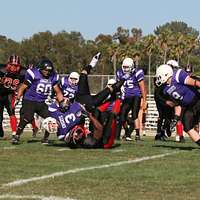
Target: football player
(132, 91)
(11, 76)
(71, 127)
(39, 83)
(69, 85)
(182, 88)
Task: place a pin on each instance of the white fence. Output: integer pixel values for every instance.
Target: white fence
(151, 119)
(98, 82)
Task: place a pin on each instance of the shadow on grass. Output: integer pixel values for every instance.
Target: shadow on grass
(33, 141)
(184, 148)
(63, 145)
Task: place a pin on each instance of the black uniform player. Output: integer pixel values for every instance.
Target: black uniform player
(11, 75)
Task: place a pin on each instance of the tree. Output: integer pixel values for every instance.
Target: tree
(121, 35)
(177, 27)
(136, 34)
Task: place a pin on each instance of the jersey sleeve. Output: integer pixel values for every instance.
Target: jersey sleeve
(29, 77)
(55, 80)
(181, 76)
(139, 75)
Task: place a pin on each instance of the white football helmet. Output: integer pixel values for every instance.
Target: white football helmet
(73, 78)
(163, 73)
(111, 81)
(173, 63)
(127, 65)
(50, 125)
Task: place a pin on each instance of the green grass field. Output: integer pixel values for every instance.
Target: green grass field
(131, 170)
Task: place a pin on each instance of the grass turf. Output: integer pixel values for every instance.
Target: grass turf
(171, 177)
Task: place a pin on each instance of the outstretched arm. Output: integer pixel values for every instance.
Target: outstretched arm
(59, 94)
(21, 90)
(144, 93)
(192, 82)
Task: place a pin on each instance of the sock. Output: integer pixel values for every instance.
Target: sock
(137, 131)
(179, 129)
(1, 131)
(33, 124)
(13, 123)
(95, 60)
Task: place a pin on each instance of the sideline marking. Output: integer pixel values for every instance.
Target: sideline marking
(117, 150)
(73, 171)
(64, 149)
(33, 197)
(9, 148)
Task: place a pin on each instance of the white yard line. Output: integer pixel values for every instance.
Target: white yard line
(64, 149)
(73, 171)
(6, 196)
(9, 148)
(117, 150)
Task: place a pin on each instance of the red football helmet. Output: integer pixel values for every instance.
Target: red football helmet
(13, 65)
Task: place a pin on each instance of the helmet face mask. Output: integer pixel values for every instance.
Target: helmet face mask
(163, 73)
(13, 65)
(50, 125)
(46, 67)
(77, 134)
(128, 65)
(46, 73)
(73, 78)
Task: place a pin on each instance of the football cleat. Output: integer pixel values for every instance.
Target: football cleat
(15, 139)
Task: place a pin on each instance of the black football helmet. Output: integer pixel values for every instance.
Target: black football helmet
(46, 67)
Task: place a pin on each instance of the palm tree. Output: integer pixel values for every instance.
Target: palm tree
(150, 45)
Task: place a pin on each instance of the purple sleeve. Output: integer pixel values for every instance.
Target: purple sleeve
(119, 74)
(55, 79)
(181, 76)
(139, 75)
(29, 76)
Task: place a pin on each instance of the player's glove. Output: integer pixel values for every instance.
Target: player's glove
(64, 105)
(49, 100)
(95, 59)
(85, 113)
(174, 122)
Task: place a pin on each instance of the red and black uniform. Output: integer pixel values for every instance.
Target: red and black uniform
(9, 82)
(109, 112)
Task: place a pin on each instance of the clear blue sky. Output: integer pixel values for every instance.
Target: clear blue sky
(20, 19)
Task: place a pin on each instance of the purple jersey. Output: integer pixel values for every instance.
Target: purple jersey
(131, 87)
(68, 90)
(68, 119)
(178, 90)
(39, 87)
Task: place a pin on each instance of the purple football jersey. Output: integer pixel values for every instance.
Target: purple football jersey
(68, 119)
(68, 90)
(178, 90)
(40, 87)
(131, 87)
